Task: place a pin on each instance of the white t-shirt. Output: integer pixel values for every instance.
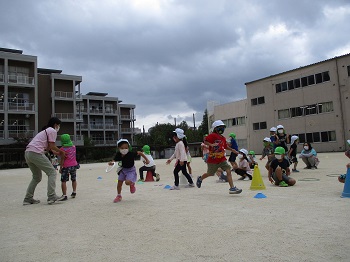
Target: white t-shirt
(151, 161)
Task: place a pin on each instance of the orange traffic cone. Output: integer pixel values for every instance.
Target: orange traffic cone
(149, 177)
(257, 182)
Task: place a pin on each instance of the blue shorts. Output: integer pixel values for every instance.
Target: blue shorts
(128, 174)
(66, 171)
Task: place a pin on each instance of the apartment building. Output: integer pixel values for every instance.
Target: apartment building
(311, 101)
(18, 95)
(105, 119)
(29, 96)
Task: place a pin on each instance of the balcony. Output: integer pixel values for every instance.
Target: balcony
(126, 130)
(104, 143)
(24, 107)
(25, 80)
(2, 107)
(2, 78)
(21, 133)
(2, 134)
(67, 96)
(98, 127)
(68, 116)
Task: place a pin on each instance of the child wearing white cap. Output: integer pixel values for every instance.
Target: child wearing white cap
(180, 155)
(268, 151)
(282, 138)
(216, 159)
(292, 153)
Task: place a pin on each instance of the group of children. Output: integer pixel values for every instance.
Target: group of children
(214, 147)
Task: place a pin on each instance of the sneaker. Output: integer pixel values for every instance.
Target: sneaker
(241, 178)
(294, 170)
(220, 181)
(73, 195)
(174, 188)
(63, 198)
(246, 178)
(235, 190)
(199, 182)
(30, 201)
(283, 184)
(157, 177)
(190, 185)
(132, 188)
(313, 168)
(53, 199)
(117, 199)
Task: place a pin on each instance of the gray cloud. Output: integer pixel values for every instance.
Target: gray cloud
(171, 57)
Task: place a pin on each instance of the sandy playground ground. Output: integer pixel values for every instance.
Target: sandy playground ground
(307, 222)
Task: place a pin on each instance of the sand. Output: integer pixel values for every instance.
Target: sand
(307, 222)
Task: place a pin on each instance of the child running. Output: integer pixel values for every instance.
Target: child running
(68, 166)
(181, 158)
(127, 172)
(217, 145)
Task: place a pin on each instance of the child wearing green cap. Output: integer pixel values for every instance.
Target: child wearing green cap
(68, 166)
(279, 169)
(151, 166)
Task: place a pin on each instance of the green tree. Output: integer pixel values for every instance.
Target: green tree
(203, 128)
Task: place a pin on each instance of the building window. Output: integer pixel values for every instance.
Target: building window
(315, 137)
(259, 125)
(311, 80)
(296, 111)
(238, 121)
(348, 70)
(258, 101)
(304, 81)
(325, 107)
(284, 113)
(325, 76)
(311, 110)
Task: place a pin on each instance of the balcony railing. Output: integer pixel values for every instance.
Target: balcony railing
(125, 117)
(26, 80)
(99, 111)
(21, 107)
(2, 78)
(102, 142)
(2, 134)
(61, 94)
(126, 130)
(99, 126)
(65, 116)
(21, 133)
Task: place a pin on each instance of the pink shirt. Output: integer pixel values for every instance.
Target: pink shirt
(70, 159)
(39, 143)
(244, 164)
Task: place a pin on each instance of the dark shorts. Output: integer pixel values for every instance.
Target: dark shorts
(294, 159)
(285, 178)
(66, 171)
(233, 157)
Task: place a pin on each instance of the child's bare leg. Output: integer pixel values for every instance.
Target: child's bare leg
(189, 168)
(74, 186)
(119, 187)
(278, 173)
(128, 182)
(64, 188)
(229, 177)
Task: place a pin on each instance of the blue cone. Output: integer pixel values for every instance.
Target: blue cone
(99, 177)
(346, 191)
(167, 187)
(259, 195)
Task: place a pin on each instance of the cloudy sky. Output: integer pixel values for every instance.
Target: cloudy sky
(170, 57)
